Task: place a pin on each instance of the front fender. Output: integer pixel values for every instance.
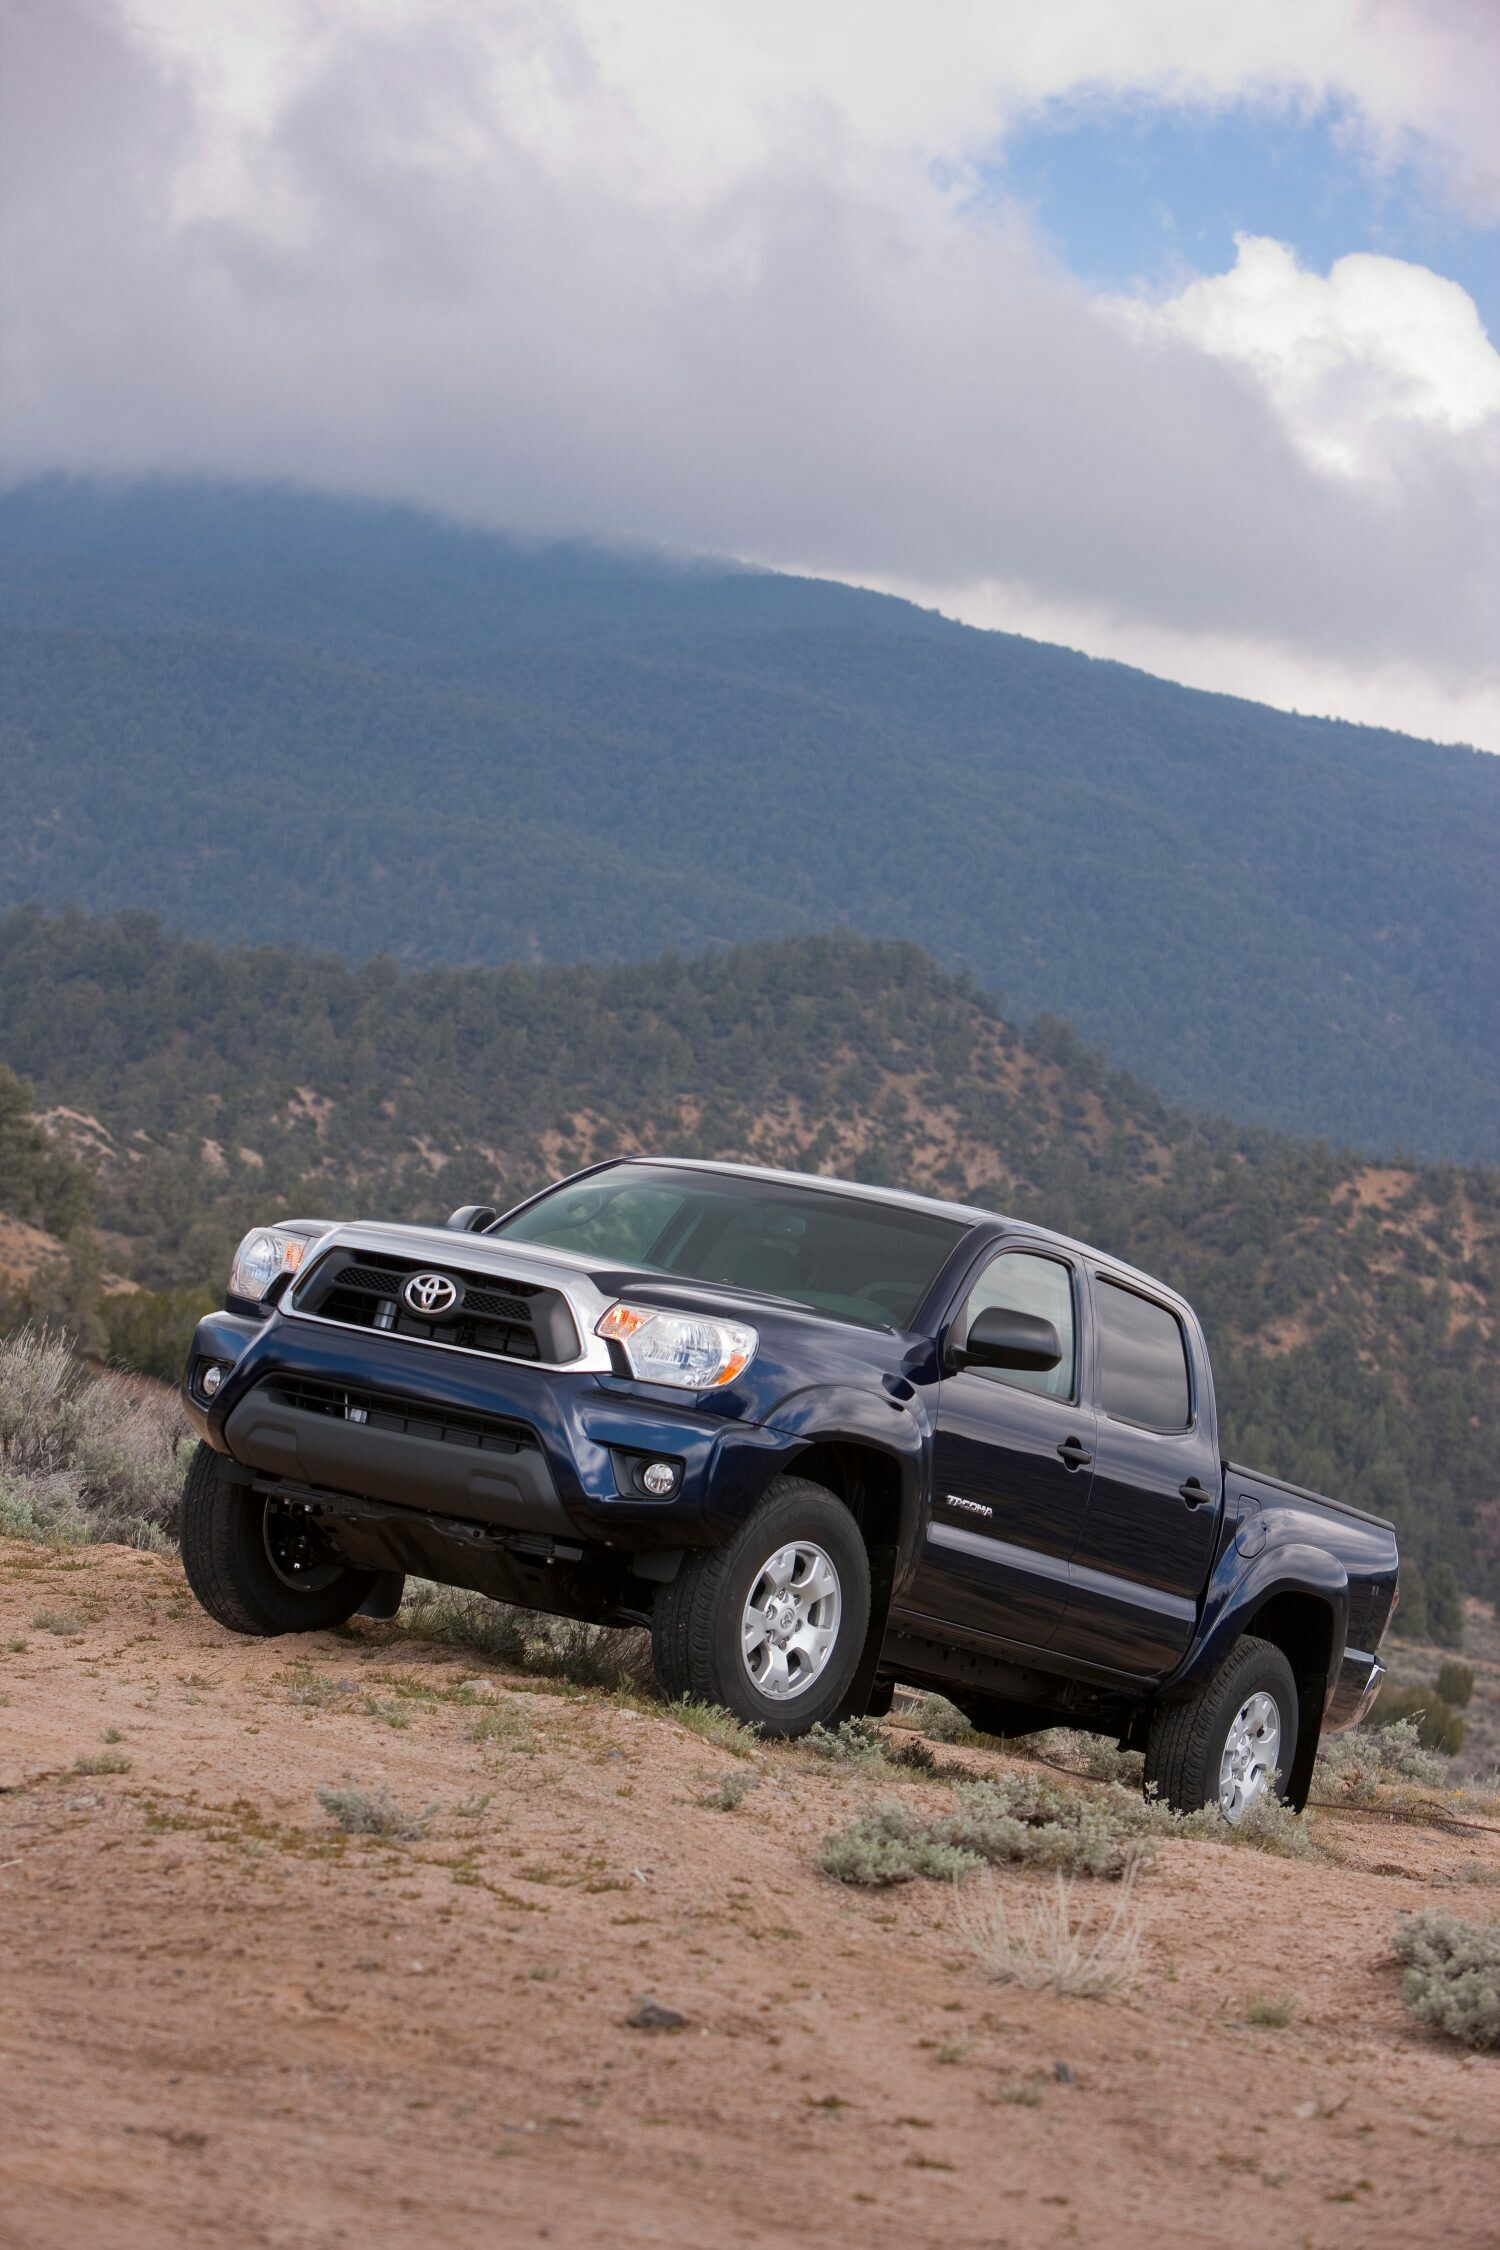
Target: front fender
(879, 1417)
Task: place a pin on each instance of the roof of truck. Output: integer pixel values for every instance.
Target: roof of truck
(967, 1214)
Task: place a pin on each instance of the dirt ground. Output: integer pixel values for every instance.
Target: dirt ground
(226, 2023)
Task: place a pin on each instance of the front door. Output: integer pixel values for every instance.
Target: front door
(1012, 1459)
(1152, 1527)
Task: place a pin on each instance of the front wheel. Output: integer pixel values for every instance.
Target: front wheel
(771, 1625)
(1231, 1743)
(258, 1565)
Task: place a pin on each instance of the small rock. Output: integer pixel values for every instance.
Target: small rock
(1065, 2074)
(650, 2015)
(484, 1689)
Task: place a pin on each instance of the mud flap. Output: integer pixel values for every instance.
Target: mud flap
(384, 1597)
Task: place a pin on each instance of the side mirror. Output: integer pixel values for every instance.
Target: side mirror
(471, 1218)
(999, 1337)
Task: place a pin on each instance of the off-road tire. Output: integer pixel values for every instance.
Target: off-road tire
(697, 1618)
(224, 1557)
(1186, 1741)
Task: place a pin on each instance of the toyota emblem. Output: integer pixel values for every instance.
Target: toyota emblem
(430, 1294)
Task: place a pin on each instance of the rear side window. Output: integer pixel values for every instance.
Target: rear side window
(1142, 1360)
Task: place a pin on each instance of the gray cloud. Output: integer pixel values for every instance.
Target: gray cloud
(393, 287)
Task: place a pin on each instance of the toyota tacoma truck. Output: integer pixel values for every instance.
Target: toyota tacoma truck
(819, 1437)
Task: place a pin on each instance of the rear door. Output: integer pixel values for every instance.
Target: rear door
(1012, 1459)
(1151, 1529)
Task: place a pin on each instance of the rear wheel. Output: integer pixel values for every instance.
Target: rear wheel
(772, 1624)
(260, 1565)
(1231, 1743)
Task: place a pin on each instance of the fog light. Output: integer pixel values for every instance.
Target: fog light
(659, 1477)
(210, 1379)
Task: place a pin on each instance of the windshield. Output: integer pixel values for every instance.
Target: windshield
(867, 1262)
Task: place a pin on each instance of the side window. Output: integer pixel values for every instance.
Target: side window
(1024, 1283)
(1143, 1368)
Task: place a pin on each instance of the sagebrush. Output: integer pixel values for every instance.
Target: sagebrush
(1453, 1976)
(1026, 1819)
(372, 1812)
(1352, 1767)
(84, 1456)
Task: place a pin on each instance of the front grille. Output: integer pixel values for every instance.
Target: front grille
(485, 1433)
(510, 1319)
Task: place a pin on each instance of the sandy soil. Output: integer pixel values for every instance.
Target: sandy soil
(225, 2023)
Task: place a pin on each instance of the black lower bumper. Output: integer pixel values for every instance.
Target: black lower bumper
(441, 1465)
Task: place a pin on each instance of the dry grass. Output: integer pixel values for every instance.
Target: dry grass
(559, 1648)
(1053, 1940)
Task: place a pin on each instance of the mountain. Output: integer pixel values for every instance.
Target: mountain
(262, 712)
(1351, 1306)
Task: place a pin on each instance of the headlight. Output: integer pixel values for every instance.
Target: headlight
(264, 1253)
(684, 1349)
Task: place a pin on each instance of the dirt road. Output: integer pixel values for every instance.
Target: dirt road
(227, 2023)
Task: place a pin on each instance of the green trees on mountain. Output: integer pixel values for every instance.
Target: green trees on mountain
(1350, 1307)
(384, 734)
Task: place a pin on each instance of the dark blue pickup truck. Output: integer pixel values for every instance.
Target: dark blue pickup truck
(820, 1437)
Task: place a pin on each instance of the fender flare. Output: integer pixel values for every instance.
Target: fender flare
(1296, 1568)
(845, 1414)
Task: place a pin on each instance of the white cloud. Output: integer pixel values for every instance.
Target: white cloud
(707, 274)
(1347, 359)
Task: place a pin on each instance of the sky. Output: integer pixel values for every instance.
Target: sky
(1162, 328)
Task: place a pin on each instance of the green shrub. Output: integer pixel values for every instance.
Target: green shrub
(1091, 1754)
(102, 1761)
(1015, 1818)
(714, 1724)
(855, 1742)
(941, 1721)
(1351, 1767)
(150, 1330)
(372, 1812)
(1026, 1819)
(1455, 1683)
(1453, 1976)
(1445, 1608)
(1438, 1727)
(731, 1789)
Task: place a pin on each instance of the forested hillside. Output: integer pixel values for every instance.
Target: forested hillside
(358, 728)
(1351, 1306)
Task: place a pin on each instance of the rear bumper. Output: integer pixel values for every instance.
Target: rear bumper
(480, 1440)
(1354, 1691)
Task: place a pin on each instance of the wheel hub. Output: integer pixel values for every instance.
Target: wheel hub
(296, 1549)
(1249, 1764)
(791, 1620)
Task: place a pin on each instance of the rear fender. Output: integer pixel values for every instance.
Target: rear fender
(1300, 1571)
(1239, 1588)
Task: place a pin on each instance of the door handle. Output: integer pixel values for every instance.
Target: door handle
(1195, 1494)
(1074, 1454)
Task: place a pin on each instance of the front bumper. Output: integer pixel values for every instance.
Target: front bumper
(485, 1441)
